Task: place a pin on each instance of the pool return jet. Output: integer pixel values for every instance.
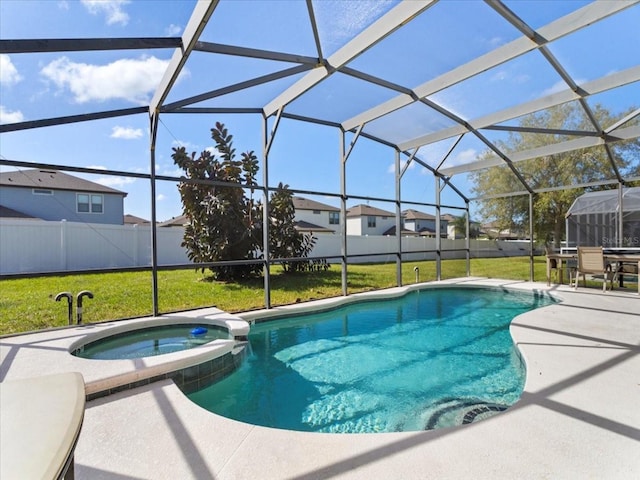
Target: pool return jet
(79, 297)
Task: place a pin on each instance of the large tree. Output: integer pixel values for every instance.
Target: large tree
(224, 222)
(284, 240)
(561, 170)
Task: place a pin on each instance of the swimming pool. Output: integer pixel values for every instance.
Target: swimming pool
(432, 358)
(151, 341)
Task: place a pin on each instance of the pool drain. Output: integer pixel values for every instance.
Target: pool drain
(461, 411)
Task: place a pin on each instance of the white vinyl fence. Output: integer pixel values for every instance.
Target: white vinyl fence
(36, 246)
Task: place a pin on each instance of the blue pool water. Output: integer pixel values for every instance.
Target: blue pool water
(430, 359)
(151, 341)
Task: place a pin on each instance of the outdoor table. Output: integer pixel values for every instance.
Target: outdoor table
(563, 258)
(40, 422)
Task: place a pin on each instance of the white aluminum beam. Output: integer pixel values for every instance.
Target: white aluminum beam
(385, 25)
(628, 133)
(570, 23)
(603, 84)
(622, 121)
(198, 21)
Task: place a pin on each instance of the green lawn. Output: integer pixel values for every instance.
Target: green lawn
(28, 304)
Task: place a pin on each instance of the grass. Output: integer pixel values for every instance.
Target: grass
(28, 304)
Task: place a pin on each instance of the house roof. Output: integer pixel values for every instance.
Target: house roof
(6, 212)
(301, 203)
(366, 210)
(412, 214)
(53, 180)
(179, 221)
(303, 226)
(392, 231)
(133, 220)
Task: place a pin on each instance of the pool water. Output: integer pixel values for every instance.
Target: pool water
(151, 341)
(430, 359)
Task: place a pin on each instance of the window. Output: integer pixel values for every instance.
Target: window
(371, 222)
(334, 218)
(89, 203)
(83, 203)
(42, 191)
(316, 212)
(96, 203)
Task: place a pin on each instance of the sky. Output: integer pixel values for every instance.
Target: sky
(304, 156)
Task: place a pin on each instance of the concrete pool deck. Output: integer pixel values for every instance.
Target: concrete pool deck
(579, 415)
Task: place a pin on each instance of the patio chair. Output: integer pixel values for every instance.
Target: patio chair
(591, 261)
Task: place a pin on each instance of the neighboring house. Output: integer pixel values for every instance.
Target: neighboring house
(453, 232)
(54, 196)
(11, 213)
(423, 223)
(366, 220)
(179, 221)
(133, 220)
(493, 231)
(316, 217)
(391, 232)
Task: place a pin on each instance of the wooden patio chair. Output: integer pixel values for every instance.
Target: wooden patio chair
(591, 261)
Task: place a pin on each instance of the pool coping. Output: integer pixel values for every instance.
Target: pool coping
(577, 418)
(26, 355)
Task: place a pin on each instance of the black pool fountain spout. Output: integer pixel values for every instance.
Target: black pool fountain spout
(83, 293)
(69, 298)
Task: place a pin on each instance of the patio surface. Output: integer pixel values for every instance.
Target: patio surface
(579, 415)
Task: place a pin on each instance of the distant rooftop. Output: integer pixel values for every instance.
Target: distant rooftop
(54, 180)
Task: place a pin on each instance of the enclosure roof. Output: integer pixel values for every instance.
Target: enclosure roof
(606, 201)
(440, 81)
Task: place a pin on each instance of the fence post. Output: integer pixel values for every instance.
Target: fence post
(136, 241)
(63, 244)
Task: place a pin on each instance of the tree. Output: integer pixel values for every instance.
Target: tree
(284, 240)
(565, 169)
(460, 224)
(225, 224)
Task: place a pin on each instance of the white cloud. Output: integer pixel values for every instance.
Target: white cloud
(126, 133)
(392, 166)
(7, 116)
(115, 182)
(505, 75)
(188, 146)
(160, 197)
(173, 30)
(496, 41)
(462, 158)
(171, 171)
(128, 79)
(499, 75)
(559, 86)
(8, 72)
(112, 10)
(63, 5)
(340, 27)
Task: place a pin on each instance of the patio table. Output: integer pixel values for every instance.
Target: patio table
(564, 258)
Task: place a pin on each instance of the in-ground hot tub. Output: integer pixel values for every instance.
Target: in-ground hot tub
(152, 340)
(192, 348)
